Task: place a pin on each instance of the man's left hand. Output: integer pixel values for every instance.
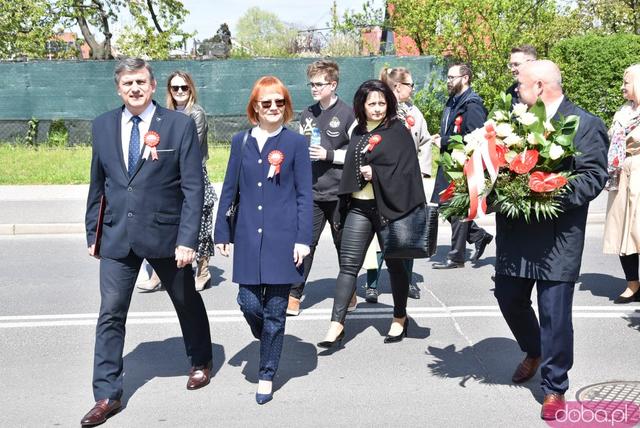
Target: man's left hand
(184, 256)
(317, 152)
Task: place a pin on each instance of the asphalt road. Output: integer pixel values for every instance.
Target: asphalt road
(454, 369)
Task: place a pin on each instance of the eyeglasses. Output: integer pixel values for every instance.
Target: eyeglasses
(411, 85)
(317, 85)
(267, 103)
(452, 78)
(177, 88)
(512, 65)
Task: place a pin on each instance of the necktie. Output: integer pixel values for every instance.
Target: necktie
(134, 145)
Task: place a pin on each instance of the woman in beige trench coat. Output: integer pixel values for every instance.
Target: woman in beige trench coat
(622, 226)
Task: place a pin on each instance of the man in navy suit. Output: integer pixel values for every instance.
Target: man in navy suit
(146, 166)
(548, 253)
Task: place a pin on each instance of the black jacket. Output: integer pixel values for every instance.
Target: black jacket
(397, 181)
(470, 108)
(552, 249)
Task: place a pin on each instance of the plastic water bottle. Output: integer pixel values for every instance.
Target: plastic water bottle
(315, 137)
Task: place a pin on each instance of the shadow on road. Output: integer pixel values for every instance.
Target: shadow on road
(298, 359)
(490, 361)
(634, 322)
(602, 285)
(167, 358)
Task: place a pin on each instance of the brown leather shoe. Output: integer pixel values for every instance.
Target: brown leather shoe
(199, 376)
(552, 405)
(293, 308)
(102, 410)
(526, 369)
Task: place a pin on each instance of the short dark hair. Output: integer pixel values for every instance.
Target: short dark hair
(527, 50)
(360, 98)
(131, 64)
(465, 69)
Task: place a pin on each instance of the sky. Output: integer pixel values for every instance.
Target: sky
(207, 16)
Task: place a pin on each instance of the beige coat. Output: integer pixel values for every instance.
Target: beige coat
(622, 225)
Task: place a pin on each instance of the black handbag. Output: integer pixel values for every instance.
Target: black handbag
(232, 211)
(413, 236)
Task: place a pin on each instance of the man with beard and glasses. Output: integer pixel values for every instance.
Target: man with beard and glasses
(463, 113)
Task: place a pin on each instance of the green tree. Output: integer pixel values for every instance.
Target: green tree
(262, 33)
(609, 16)
(25, 27)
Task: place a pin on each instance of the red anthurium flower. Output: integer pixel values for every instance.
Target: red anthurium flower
(457, 124)
(447, 193)
(524, 162)
(546, 181)
(501, 151)
(616, 162)
(374, 140)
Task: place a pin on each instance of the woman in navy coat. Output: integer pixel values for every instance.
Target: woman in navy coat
(273, 222)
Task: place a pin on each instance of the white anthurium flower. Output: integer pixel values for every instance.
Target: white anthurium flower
(548, 126)
(527, 118)
(504, 130)
(531, 139)
(510, 155)
(513, 140)
(459, 156)
(520, 109)
(473, 140)
(555, 151)
(500, 116)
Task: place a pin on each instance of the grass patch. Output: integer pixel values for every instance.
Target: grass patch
(70, 165)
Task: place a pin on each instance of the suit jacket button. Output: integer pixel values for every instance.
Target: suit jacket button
(260, 230)
(130, 189)
(259, 207)
(129, 215)
(259, 160)
(259, 184)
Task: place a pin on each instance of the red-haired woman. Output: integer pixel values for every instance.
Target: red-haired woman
(272, 169)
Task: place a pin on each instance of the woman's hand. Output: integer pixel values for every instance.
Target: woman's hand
(367, 172)
(224, 249)
(317, 152)
(300, 251)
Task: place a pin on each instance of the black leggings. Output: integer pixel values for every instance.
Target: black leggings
(630, 266)
(361, 224)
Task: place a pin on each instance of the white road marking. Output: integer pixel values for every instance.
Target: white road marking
(228, 316)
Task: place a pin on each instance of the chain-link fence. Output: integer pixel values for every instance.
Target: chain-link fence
(62, 133)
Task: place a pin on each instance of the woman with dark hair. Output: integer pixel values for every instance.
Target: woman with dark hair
(381, 182)
(181, 96)
(270, 169)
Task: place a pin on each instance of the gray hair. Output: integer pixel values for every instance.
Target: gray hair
(131, 64)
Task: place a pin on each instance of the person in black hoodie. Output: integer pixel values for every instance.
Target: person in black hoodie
(381, 182)
(463, 113)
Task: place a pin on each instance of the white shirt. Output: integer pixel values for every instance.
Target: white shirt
(143, 126)
(552, 108)
(261, 136)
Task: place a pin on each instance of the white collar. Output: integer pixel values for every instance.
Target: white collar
(552, 108)
(257, 131)
(145, 116)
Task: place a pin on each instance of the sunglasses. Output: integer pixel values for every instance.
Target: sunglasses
(317, 85)
(176, 88)
(279, 103)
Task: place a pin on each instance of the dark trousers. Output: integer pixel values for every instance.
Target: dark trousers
(117, 279)
(461, 233)
(630, 266)
(552, 338)
(361, 224)
(265, 309)
(322, 212)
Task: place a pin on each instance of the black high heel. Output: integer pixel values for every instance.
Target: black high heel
(330, 343)
(635, 297)
(398, 338)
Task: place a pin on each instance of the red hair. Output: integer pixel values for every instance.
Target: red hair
(265, 83)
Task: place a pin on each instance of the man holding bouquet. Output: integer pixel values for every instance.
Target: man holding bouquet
(548, 252)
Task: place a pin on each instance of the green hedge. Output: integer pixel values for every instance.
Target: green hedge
(592, 68)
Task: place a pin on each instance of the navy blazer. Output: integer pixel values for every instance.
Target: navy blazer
(160, 206)
(552, 249)
(273, 214)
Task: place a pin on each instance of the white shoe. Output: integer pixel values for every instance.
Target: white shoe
(152, 284)
(203, 276)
